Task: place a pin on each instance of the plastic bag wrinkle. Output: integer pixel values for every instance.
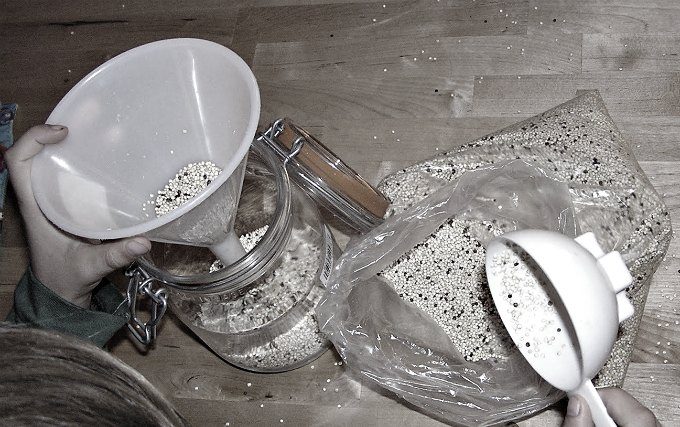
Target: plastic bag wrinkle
(401, 347)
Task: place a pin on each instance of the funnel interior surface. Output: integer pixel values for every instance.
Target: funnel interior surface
(133, 123)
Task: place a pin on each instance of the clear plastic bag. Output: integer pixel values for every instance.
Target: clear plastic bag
(398, 345)
(401, 347)
(580, 145)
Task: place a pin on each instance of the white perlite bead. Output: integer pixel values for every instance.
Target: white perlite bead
(248, 241)
(187, 183)
(533, 315)
(292, 284)
(294, 346)
(271, 298)
(444, 276)
(579, 144)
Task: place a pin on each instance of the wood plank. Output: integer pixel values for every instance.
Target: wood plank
(13, 262)
(378, 121)
(42, 61)
(12, 234)
(423, 56)
(652, 138)
(251, 413)
(659, 338)
(364, 143)
(29, 41)
(603, 16)
(625, 94)
(314, 102)
(100, 11)
(656, 386)
(631, 52)
(6, 299)
(377, 20)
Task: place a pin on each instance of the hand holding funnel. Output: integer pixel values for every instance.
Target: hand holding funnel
(134, 122)
(561, 300)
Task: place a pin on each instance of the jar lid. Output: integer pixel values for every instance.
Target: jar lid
(327, 179)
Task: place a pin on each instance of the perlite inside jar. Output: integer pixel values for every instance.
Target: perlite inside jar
(257, 313)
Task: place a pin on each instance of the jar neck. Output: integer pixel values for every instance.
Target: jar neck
(255, 263)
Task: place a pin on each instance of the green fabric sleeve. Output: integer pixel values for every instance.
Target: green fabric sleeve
(38, 306)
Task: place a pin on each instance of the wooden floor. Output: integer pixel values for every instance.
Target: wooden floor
(384, 84)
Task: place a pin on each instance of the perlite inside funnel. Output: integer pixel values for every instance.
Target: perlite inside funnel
(134, 122)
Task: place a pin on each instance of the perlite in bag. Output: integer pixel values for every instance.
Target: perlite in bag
(408, 304)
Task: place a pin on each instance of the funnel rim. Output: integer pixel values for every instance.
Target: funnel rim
(64, 223)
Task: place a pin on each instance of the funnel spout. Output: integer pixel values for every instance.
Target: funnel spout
(229, 250)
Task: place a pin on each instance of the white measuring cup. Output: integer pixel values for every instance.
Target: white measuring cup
(566, 321)
(133, 123)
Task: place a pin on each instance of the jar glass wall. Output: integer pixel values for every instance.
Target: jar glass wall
(258, 313)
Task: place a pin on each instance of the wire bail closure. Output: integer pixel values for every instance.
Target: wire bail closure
(297, 146)
(141, 283)
(270, 134)
(336, 187)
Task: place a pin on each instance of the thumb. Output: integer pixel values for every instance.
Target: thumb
(31, 143)
(18, 157)
(578, 413)
(108, 257)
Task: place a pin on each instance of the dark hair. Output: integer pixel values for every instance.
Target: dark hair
(47, 378)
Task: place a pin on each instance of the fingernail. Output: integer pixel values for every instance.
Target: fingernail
(57, 127)
(137, 248)
(573, 407)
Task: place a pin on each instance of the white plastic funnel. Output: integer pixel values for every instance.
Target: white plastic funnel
(134, 122)
(565, 318)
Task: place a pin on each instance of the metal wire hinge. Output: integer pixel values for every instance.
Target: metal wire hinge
(275, 129)
(269, 135)
(294, 150)
(141, 283)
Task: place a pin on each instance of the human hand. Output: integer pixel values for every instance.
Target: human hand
(623, 408)
(67, 265)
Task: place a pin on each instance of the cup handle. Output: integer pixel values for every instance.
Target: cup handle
(597, 409)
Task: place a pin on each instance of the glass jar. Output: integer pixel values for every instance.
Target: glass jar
(258, 313)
